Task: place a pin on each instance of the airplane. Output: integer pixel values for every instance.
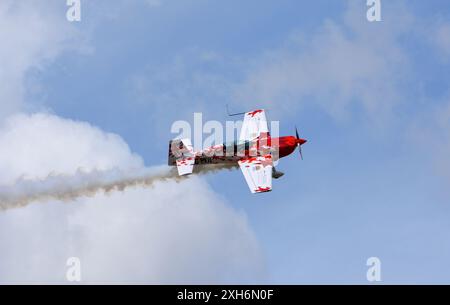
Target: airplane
(255, 152)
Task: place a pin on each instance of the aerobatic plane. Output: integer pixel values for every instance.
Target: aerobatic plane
(255, 152)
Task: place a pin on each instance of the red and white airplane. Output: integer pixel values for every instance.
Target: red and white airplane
(255, 152)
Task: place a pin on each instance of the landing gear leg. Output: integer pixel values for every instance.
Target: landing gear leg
(276, 174)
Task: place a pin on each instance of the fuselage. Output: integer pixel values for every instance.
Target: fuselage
(235, 151)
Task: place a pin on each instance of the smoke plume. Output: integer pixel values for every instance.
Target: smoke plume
(88, 184)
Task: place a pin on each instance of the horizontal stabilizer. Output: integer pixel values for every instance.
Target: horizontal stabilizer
(185, 166)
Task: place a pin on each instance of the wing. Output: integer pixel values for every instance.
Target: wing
(258, 173)
(255, 123)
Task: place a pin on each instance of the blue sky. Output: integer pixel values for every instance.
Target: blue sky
(371, 98)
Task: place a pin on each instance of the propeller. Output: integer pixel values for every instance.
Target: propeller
(298, 143)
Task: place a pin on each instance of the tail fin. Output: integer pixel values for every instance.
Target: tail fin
(181, 154)
(179, 148)
(171, 157)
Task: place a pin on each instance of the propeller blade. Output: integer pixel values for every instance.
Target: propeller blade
(299, 145)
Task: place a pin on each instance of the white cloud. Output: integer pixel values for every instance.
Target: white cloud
(171, 233)
(339, 67)
(39, 144)
(345, 67)
(32, 34)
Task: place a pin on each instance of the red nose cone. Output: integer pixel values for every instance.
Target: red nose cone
(301, 141)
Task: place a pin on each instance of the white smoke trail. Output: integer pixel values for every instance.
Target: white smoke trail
(88, 184)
